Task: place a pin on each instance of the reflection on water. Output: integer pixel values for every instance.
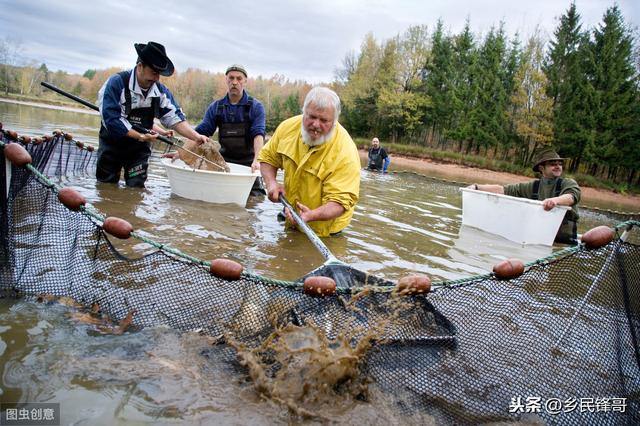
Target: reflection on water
(403, 224)
(34, 121)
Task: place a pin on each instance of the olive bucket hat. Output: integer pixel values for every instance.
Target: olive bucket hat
(546, 154)
(153, 55)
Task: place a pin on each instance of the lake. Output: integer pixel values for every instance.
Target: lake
(404, 224)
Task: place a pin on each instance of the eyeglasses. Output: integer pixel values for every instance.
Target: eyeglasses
(554, 163)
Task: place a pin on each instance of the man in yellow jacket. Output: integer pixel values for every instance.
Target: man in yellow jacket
(320, 162)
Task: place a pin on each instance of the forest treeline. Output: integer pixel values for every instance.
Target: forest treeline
(490, 95)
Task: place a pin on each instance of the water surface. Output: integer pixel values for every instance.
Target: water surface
(403, 224)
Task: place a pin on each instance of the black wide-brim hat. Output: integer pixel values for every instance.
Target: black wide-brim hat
(154, 55)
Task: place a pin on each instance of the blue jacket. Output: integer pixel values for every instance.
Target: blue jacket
(111, 101)
(234, 114)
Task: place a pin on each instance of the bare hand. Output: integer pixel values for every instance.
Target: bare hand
(274, 191)
(201, 139)
(549, 203)
(148, 137)
(171, 155)
(304, 211)
(255, 166)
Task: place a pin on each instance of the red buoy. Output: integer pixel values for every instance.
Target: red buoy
(319, 286)
(71, 198)
(117, 227)
(414, 284)
(226, 269)
(17, 154)
(510, 268)
(598, 236)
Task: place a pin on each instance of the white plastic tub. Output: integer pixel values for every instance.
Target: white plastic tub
(520, 220)
(212, 187)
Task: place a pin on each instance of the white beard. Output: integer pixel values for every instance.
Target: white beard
(306, 137)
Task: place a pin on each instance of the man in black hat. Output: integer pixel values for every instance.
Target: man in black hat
(240, 121)
(129, 101)
(552, 189)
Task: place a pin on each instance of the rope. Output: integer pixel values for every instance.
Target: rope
(90, 211)
(589, 293)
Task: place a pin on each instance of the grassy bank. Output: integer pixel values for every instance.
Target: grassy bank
(482, 162)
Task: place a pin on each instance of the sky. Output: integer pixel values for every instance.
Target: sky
(296, 39)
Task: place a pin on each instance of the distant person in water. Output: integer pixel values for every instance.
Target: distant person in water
(552, 189)
(378, 157)
(136, 97)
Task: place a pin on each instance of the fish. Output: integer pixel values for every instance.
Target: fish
(209, 150)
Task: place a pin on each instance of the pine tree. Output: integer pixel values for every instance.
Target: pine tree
(465, 89)
(488, 117)
(570, 90)
(615, 93)
(437, 82)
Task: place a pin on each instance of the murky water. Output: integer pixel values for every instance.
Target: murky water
(403, 224)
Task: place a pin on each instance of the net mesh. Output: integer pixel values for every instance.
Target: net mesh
(564, 334)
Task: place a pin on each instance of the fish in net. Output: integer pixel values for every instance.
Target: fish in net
(204, 156)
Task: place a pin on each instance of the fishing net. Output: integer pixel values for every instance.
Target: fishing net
(559, 342)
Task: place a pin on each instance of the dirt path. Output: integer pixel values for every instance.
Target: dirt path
(591, 197)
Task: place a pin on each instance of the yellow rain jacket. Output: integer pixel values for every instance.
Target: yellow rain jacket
(316, 175)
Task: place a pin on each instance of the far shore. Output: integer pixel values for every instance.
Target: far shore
(51, 106)
(591, 197)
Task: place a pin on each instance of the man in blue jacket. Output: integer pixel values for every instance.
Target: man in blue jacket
(240, 121)
(134, 98)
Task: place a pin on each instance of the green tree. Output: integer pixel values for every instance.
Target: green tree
(10, 50)
(566, 68)
(77, 89)
(488, 117)
(291, 107)
(615, 93)
(358, 94)
(438, 83)
(89, 74)
(386, 90)
(465, 88)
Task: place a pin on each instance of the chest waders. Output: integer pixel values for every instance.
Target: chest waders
(375, 159)
(568, 232)
(115, 154)
(236, 143)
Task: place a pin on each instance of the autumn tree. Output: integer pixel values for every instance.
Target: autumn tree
(531, 109)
